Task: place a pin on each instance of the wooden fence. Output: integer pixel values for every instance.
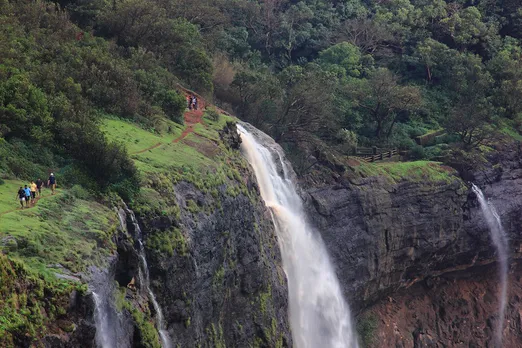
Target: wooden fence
(372, 154)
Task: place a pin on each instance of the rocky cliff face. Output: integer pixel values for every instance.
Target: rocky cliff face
(213, 258)
(456, 309)
(386, 235)
(215, 263)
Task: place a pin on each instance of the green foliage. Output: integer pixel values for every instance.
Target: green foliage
(212, 114)
(366, 327)
(62, 229)
(417, 171)
(216, 336)
(174, 104)
(166, 242)
(29, 302)
(147, 335)
(343, 59)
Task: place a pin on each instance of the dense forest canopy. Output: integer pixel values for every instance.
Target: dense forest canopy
(314, 74)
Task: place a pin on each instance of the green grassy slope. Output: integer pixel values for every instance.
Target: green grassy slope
(61, 234)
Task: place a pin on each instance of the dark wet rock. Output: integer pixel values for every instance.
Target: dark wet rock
(388, 237)
(8, 243)
(224, 282)
(230, 136)
(383, 235)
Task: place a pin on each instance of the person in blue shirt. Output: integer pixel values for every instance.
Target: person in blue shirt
(27, 191)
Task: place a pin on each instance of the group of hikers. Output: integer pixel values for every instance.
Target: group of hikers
(27, 194)
(192, 102)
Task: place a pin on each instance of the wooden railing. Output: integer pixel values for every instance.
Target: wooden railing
(372, 154)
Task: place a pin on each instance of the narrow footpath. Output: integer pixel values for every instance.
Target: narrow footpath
(30, 206)
(191, 119)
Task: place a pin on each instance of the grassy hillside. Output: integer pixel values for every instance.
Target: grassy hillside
(41, 249)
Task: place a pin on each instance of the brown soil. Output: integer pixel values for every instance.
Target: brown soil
(454, 310)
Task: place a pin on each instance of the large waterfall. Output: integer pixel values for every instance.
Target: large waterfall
(499, 238)
(319, 316)
(144, 277)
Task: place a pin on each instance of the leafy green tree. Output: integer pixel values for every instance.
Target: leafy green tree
(382, 99)
(506, 68)
(343, 59)
(307, 105)
(173, 104)
(24, 111)
(471, 121)
(370, 36)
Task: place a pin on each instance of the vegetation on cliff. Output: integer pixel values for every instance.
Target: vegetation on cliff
(90, 89)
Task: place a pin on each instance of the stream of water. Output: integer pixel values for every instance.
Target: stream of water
(319, 316)
(111, 326)
(144, 277)
(104, 338)
(499, 239)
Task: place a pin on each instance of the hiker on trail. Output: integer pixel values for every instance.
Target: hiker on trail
(39, 184)
(33, 191)
(27, 191)
(21, 196)
(52, 183)
(195, 103)
(189, 100)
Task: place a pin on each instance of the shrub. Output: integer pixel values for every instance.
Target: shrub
(417, 153)
(79, 192)
(173, 104)
(366, 327)
(348, 140)
(212, 114)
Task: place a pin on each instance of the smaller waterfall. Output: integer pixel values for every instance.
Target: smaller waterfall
(144, 277)
(111, 326)
(104, 339)
(499, 238)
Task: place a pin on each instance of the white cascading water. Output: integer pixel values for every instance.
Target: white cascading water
(499, 238)
(111, 327)
(319, 316)
(104, 338)
(144, 277)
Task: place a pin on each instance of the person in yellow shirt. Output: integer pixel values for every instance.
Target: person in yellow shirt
(33, 191)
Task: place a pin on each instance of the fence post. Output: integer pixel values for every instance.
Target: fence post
(374, 150)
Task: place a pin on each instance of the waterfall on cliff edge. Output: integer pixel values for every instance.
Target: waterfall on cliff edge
(143, 274)
(499, 238)
(104, 339)
(110, 332)
(319, 316)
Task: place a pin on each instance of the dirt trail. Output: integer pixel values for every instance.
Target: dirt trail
(30, 206)
(191, 118)
(147, 149)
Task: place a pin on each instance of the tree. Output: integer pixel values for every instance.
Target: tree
(306, 108)
(506, 68)
(370, 36)
(343, 58)
(469, 120)
(381, 98)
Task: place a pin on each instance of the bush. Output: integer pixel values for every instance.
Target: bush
(366, 327)
(212, 114)
(348, 140)
(416, 153)
(79, 192)
(173, 104)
